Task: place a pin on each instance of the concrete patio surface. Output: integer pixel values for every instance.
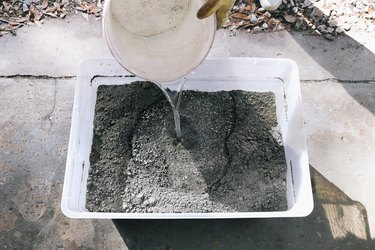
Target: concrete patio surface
(38, 69)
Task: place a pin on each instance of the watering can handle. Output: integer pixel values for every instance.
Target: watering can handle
(220, 7)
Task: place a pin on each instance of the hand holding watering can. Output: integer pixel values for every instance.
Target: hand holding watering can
(220, 7)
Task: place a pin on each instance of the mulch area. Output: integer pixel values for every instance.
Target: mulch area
(15, 13)
(327, 18)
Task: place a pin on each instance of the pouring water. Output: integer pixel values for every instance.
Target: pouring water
(174, 98)
(159, 41)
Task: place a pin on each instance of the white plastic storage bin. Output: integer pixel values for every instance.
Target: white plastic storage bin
(252, 74)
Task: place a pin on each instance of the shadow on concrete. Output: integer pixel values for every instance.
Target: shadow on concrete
(346, 59)
(349, 61)
(337, 222)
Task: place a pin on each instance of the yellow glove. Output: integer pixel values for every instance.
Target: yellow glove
(220, 7)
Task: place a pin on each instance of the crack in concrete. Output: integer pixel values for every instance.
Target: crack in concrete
(336, 80)
(70, 77)
(44, 77)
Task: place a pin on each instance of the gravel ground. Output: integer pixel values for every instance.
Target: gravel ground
(322, 17)
(328, 18)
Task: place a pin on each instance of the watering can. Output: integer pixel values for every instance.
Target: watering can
(158, 40)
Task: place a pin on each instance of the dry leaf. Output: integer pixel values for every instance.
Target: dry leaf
(317, 14)
(370, 10)
(21, 19)
(93, 9)
(50, 9)
(290, 18)
(57, 6)
(45, 4)
(4, 20)
(34, 13)
(240, 16)
(248, 8)
(84, 5)
(10, 27)
(50, 14)
(7, 6)
(248, 25)
(89, 8)
(10, 22)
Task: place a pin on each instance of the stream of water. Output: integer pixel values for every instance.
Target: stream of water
(174, 98)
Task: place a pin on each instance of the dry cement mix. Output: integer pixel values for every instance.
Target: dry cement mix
(230, 158)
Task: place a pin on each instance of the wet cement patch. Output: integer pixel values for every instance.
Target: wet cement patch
(230, 159)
